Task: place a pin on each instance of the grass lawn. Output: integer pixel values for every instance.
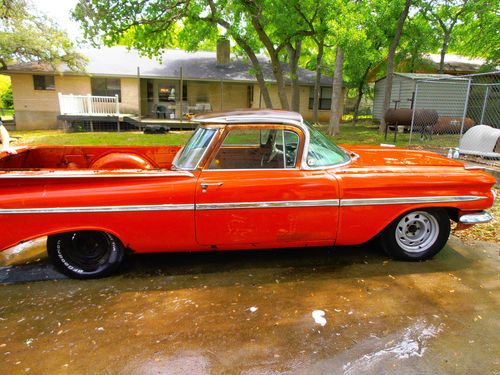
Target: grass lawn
(367, 133)
(58, 137)
(7, 114)
(363, 133)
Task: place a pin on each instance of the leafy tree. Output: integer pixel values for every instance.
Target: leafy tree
(151, 26)
(316, 15)
(27, 37)
(478, 34)
(444, 15)
(279, 27)
(417, 39)
(7, 98)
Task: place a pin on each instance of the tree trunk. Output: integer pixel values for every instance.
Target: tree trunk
(248, 50)
(317, 81)
(275, 62)
(336, 108)
(260, 77)
(360, 95)
(390, 64)
(356, 105)
(294, 55)
(444, 49)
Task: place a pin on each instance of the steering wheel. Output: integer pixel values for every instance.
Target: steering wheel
(269, 155)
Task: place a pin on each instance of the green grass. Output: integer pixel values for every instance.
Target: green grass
(58, 137)
(367, 133)
(8, 114)
(363, 133)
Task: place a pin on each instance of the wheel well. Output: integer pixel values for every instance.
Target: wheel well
(452, 213)
(86, 229)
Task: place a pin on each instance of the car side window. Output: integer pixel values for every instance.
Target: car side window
(257, 148)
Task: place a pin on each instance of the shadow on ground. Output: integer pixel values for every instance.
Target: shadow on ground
(325, 261)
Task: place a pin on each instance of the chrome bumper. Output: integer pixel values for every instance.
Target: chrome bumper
(476, 218)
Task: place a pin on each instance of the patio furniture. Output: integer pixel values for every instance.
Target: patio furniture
(161, 111)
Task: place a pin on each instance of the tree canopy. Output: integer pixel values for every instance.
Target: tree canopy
(29, 37)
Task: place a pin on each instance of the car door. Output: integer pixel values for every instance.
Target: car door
(252, 192)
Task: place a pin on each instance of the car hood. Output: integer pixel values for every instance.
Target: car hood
(379, 156)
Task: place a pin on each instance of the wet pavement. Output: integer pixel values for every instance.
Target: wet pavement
(252, 313)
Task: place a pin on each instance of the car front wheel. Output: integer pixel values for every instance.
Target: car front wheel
(416, 235)
(85, 254)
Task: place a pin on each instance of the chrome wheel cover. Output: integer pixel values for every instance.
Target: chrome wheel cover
(417, 231)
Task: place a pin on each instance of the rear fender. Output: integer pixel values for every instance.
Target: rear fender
(6, 242)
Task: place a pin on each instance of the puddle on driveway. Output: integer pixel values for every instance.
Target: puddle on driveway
(251, 313)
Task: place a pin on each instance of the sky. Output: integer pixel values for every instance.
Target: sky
(60, 11)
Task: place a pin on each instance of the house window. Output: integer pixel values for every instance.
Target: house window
(325, 98)
(44, 82)
(106, 87)
(184, 91)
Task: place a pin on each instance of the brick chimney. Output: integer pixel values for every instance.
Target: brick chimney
(223, 51)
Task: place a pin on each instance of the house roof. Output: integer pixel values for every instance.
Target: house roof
(455, 63)
(200, 65)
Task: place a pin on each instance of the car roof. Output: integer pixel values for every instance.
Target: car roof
(264, 116)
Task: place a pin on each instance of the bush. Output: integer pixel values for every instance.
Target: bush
(7, 99)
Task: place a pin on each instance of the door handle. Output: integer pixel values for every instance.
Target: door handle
(204, 186)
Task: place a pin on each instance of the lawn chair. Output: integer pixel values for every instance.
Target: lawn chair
(161, 110)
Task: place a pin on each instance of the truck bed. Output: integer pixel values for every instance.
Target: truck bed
(88, 158)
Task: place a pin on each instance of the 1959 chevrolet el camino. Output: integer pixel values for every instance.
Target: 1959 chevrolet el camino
(245, 180)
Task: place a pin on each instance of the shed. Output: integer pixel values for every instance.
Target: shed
(441, 92)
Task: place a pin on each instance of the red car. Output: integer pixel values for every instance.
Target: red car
(245, 180)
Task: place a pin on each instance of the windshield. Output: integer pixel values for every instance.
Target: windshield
(190, 155)
(323, 152)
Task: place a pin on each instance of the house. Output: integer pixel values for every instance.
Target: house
(441, 92)
(181, 82)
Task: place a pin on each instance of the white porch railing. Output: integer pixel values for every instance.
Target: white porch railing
(89, 105)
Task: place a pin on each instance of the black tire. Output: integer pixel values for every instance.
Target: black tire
(416, 235)
(85, 254)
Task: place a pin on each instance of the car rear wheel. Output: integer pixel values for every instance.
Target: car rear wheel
(416, 235)
(85, 254)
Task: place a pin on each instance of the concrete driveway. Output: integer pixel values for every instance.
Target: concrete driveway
(252, 313)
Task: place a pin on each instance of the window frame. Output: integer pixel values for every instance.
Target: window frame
(229, 128)
(93, 79)
(45, 86)
(321, 98)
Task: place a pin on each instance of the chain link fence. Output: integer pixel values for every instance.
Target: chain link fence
(458, 116)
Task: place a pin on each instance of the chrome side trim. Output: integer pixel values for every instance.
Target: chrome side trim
(406, 200)
(275, 204)
(67, 210)
(93, 174)
(244, 205)
(476, 218)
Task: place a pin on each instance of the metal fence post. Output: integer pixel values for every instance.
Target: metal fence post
(413, 113)
(466, 105)
(484, 104)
